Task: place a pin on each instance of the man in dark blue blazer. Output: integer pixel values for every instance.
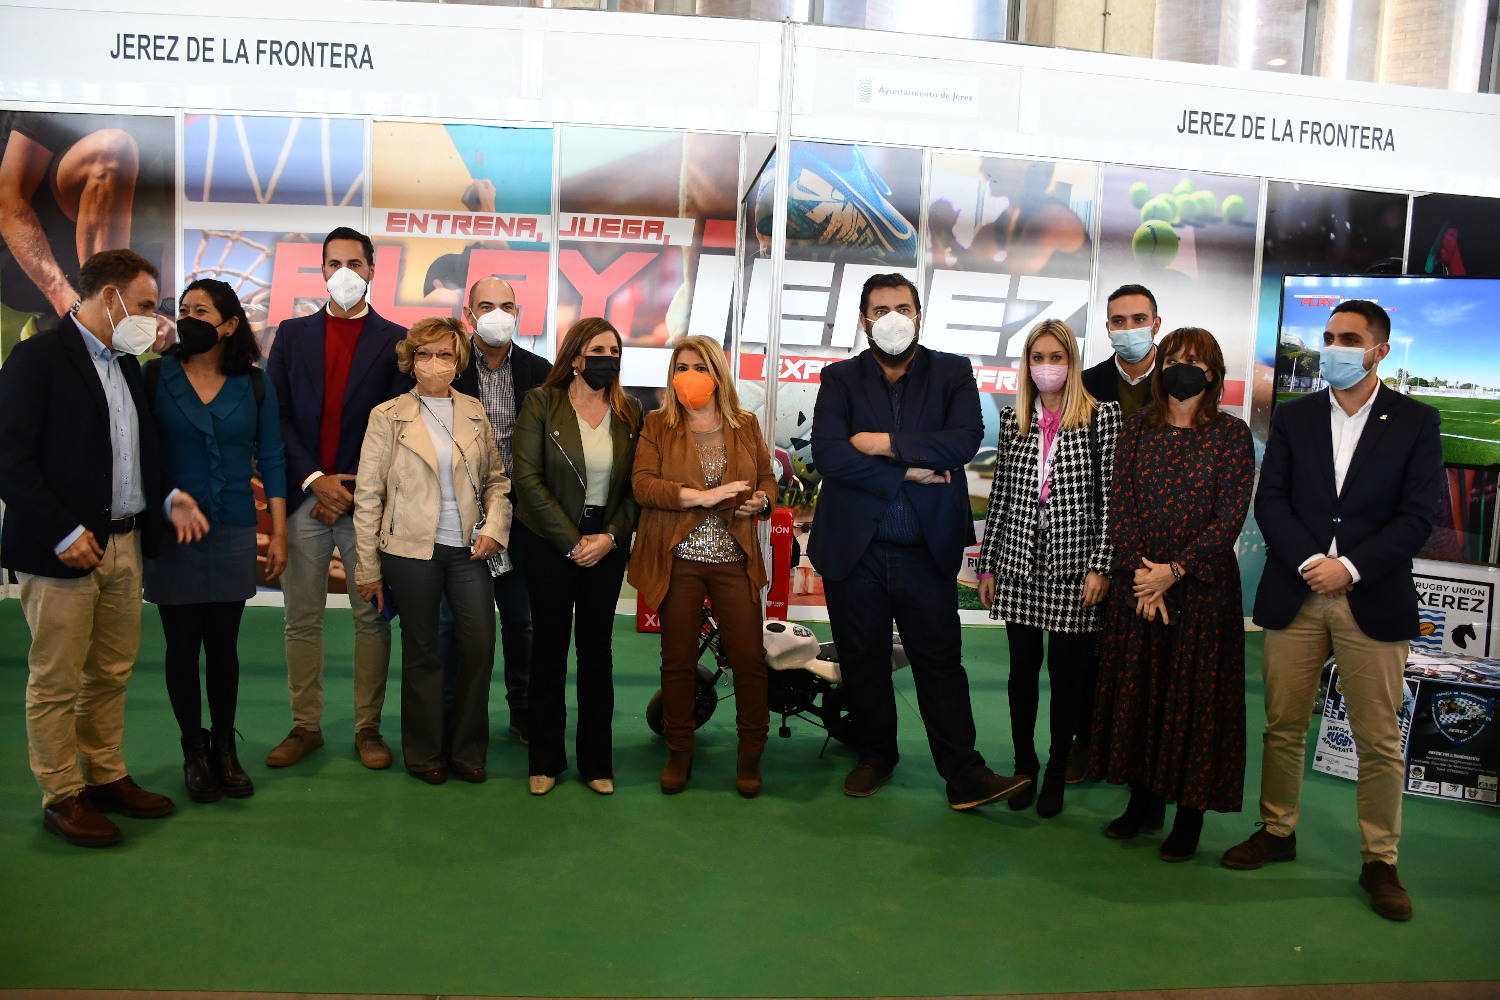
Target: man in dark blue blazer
(892, 431)
(330, 369)
(86, 501)
(1347, 495)
(500, 374)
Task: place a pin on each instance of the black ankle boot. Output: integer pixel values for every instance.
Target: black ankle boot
(232, 778)
(1144, 812)
(1050, 802)
(1030, 767)
(202, 786)
(1182, 843)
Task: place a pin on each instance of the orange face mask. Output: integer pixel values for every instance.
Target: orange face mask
(693, 388)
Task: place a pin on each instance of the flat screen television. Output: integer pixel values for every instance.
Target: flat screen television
(1445, 351)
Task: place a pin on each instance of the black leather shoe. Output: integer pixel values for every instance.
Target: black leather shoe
(1144, 812)
(989, 788)
(197, 773)
(1182, 843)
(474, 777)
(434, 776)
(865, 781)
(1050, 802)
(232, 777)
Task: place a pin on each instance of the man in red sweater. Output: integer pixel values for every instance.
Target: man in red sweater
(330, 369)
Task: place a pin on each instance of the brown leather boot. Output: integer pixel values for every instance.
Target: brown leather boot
(674, 777)
(374, 752)
(298, 744)
(76, 821)
(1387, 895)
(125, 797)
(747, 773)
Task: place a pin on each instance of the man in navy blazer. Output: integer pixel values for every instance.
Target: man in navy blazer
(86, 501)
(330, 369)
(892, 431)
(1347, 495)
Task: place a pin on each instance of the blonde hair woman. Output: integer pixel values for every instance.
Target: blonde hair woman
(1045, 562)
(703, 478)
(429, 510)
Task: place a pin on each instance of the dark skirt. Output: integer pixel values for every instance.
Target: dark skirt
(218, 568)
(1170, 710)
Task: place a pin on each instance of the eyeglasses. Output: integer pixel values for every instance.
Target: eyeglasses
(422, 355)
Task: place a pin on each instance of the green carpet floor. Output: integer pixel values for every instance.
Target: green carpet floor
(337, 879)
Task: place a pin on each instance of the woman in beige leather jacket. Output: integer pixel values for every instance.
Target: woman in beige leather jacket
(428, 462)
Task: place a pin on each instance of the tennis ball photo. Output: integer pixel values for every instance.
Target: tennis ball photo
(1155, 244)
(1234, 209)
(1208, 205)
(1184, 186)
(1161, 208)
(1187, 209)
(1140, 193)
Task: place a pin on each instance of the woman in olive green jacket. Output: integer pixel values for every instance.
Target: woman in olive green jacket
(574, 447)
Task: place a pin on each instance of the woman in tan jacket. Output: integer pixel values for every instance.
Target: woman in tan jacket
(428, 462)
(702, 477)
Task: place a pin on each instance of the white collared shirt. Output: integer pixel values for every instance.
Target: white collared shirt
(1346, 429)
(1133, 381)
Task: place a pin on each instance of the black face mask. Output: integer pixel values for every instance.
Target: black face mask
(1183, 382)
(194, 336)
(599, 370)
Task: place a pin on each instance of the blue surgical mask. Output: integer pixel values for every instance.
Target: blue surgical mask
(1131, 345)
(1342, 367)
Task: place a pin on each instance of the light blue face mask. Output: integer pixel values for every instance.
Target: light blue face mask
(1342, 367)
(1131, 345)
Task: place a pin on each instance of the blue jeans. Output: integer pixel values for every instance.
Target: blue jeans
(904, 583)
(515, 640)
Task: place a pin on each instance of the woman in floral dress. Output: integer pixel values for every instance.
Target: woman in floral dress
(1170, 715)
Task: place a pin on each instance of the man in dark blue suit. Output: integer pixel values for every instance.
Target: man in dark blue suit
(330, 369)
(892, 431)
(1347, 495)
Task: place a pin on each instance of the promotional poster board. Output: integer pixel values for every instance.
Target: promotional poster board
(1454, 750)
(1012, 183)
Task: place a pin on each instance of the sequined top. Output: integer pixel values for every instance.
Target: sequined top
(711, 541)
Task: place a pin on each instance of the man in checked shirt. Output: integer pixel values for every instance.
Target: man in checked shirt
(500, 375)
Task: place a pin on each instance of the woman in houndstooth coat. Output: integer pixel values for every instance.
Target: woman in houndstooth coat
(1045, 562)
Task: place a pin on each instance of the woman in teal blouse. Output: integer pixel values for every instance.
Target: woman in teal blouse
(217, 420)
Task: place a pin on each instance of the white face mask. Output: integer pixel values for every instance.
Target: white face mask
(496, 327)
(347, 288)
(893, 332)
(133, 334)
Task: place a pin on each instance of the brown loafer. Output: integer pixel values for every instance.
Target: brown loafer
(77, 822)
(373, 751)
(1387, 895)
(434, 776)
(129, 799)
(474, 777)
(1262, 847)
(298, 744)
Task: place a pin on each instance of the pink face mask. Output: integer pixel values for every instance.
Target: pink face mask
(1049, 378)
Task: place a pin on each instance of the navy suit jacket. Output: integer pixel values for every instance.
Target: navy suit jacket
(941, 427)
(56, 459)
(296, 369)
(1381, 519)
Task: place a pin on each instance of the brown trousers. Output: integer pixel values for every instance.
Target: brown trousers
(736, 608)
(1370, 674)
(85, 634)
